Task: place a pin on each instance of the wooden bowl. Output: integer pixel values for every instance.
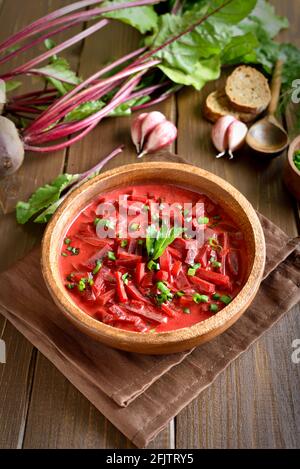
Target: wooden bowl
(190, 177)
(291, 174)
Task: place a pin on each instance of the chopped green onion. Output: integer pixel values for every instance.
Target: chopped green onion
(214, 308)
(110, 224)
(74, 251)
(96, 221)
(226, 299)
(186, 212)
(187, 310)
(162, 287)
(180, 293)
(200, 298)
(134, 226)
(146, 208)
(111, 256)
(216, 296)
(140, 242)
(188, 219)
(70, 277)
(192, 270)
(165, 295)
(67, 241)
(81, 284)
(98, 267)
(216, 264)
(214, 243)
(153, 265)
(203, 220)
(124, 243)
(70, 286)
(152, 330)
(64, 254)
(125, 278)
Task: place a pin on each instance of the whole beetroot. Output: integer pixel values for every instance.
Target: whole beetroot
(11, 148)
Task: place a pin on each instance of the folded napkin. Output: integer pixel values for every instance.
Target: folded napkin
(159, 386)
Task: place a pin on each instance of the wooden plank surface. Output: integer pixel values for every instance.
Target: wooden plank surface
(255, 402)
(246, 407)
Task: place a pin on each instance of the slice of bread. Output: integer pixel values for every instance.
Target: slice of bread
(248, 90)
(218, 105)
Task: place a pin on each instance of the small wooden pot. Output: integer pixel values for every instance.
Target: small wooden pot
(187, 176)
(291, 174)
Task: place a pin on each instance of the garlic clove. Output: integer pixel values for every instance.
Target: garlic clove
(161, 136)
(136, 130)
(236, 136)
(149, 123)
(219, 134)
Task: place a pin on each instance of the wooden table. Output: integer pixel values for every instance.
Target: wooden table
(255, 403)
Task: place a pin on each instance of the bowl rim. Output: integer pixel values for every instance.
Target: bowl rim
(219, 321)
(294, 146)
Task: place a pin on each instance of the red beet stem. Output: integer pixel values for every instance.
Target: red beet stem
(31, 28)
(53, 115)
(64, 45)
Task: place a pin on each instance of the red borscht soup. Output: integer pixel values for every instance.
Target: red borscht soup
(153, 258)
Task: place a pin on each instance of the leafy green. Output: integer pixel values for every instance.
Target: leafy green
(157, 240)
(196, 57)
(143, 18)
(240, 48)
(165, 294)
(43, 197)
(12, 85)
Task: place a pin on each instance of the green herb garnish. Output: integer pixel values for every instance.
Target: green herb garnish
(187, 310)
(67, 241)
(192, 270)
(226, 299)
(203, 220)
(297, 159)
(214, 308)
(158, 240)
(124, 243)
(82, 284)
(125, 278)
(216, 264)
(98, 267)
(111, 256)
(70, 286)
(214, 243)
(64, 254)
(179, 293)
(197, 298)
(109, 224)
(216, 296)
(134, 226)
(165, 294)
(153, 265)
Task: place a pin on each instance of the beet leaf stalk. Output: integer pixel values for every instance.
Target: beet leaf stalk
(53, 20)
(46, 199)
(50, 126)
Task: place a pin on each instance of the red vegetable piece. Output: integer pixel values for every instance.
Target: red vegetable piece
(132, 246)
(203, 285)
(147, 280)
(98, 286)
(121, 288)
(202, 256)
(176, 268)
(146, 311)
(214, 277)
(134, 293)
(161, 276)
(129, 257)
(91, 262)
(175, 253)
(168, 310)
(140, 272)
(106, 297)
(233, 262)
(181, 282)
(186, 301)
(165, 261)
(122, 316)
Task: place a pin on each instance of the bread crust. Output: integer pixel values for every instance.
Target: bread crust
(248, 90)
(218, 105)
